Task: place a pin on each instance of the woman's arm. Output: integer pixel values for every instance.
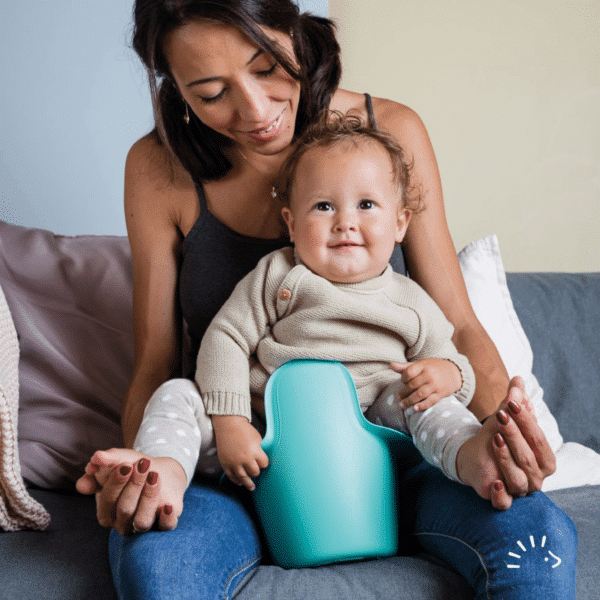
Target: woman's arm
(525, 458)
(154, 237)
(433, 263)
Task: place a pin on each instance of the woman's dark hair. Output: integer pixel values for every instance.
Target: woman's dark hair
(198, 147)
(337, 128)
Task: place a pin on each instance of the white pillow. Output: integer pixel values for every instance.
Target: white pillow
(481, 264)
(484, 275)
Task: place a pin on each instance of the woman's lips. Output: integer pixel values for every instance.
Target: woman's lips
(269, 133)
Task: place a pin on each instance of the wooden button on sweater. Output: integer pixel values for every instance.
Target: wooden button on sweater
(285, 295)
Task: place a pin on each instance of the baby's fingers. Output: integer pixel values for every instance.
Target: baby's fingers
(425, 393)
(408, 370)
(430, 401)
(240, 477)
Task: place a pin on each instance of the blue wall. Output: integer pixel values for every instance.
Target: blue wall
(73, 99)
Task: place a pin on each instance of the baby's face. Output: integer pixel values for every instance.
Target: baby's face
(344, 217)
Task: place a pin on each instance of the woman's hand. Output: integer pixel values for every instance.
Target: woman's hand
(239, 449)
(426, 381)
(510, 456)
(134, 492)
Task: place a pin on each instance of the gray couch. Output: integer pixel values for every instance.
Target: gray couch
(560, 314)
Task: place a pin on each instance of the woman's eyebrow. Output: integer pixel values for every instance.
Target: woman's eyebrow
(209, 79)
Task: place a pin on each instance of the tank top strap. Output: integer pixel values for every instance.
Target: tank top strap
(201, 196)
(369, 101)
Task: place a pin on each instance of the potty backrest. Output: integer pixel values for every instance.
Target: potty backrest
(329, 492)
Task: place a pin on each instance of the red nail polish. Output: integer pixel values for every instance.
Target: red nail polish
(152, 478)
(125, 470)
(499, 441)
(143, 465)
(502, 417)
(514, 407)
(168, 510)
(498, 486)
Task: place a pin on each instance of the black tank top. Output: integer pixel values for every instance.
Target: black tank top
(215, 258)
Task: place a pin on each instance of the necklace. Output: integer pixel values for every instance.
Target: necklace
(273, 190)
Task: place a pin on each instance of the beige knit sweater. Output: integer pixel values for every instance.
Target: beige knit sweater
(282, 311)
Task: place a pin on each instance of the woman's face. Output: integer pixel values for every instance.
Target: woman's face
(233, 86)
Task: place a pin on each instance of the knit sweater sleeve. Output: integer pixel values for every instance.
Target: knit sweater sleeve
(223, 364)
(435, 340)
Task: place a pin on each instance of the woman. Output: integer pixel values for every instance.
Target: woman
(233, 83)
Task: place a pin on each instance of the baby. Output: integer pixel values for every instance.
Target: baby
(333, 296)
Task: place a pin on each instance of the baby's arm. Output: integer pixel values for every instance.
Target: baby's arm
(426, 381)
(239, 449)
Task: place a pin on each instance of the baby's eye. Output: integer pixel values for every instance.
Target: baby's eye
(366, 204)
(323, 206)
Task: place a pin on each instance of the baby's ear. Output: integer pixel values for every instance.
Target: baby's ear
(289, 221)
(402, 224)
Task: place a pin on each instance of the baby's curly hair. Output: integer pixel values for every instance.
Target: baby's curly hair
(335, 128)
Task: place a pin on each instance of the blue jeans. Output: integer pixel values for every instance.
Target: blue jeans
(524, 553)
(213, 549)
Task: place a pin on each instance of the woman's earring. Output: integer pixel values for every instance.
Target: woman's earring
(186, 117)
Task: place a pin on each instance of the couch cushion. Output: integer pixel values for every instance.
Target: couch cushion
(51, 564)
(583, 506)
(70, 298)
(68, 560)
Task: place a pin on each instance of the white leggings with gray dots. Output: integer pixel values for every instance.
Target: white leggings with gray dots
(176, 425)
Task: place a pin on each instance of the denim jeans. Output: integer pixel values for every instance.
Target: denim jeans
(527, 552)
(213, 549)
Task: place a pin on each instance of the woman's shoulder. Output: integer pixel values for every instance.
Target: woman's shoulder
(151, 161)
(394, 117)
(154, 177)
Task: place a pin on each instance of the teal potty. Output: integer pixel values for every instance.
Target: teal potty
(329, 492)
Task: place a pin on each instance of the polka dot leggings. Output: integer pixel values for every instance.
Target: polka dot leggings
(176, 425)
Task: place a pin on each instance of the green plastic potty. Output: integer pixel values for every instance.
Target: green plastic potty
(329, 492)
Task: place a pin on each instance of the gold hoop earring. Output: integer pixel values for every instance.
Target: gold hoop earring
(186, 117)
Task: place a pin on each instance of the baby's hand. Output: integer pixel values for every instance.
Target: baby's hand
(427, 381)
(239, 449)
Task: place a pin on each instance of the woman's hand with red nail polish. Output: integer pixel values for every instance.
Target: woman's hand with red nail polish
(132, 489)
(526, 459)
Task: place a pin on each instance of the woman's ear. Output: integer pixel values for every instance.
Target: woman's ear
(289, 221)
(402, 224)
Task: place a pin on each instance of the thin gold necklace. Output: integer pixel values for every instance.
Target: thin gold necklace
(273, 190)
